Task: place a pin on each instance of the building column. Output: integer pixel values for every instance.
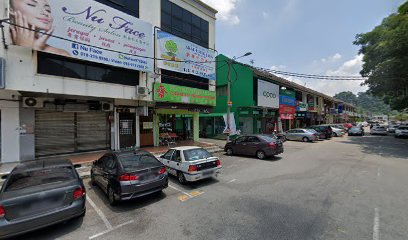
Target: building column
(137, 122)
(196, 127)
(10, 131)
(156, 129)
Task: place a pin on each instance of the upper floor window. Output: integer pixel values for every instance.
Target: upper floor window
(130, 7)
(184, 24)
(55, 65)
(186, 80)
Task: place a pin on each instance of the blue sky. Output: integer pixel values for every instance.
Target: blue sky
(305, 36)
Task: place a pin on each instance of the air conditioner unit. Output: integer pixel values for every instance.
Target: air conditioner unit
(141, 91)
(31, 102)
(107, 106)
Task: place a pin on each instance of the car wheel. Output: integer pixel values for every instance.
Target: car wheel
(260, 155)
(181, 178)
(335, 134)
(229, 151)
(305, 139)
(111, 197)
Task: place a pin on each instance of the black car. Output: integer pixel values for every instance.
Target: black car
(261, 146)
(129, 174)
(40, 193)
(327, 130)
(356, 131)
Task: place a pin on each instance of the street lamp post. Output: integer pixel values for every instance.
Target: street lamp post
(230, 62)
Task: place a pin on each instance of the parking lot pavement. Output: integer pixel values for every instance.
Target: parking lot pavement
(344, 188)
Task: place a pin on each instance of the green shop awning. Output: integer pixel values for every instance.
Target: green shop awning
(212, 114)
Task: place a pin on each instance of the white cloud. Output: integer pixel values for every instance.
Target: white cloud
(334, 58)
(279, 67)
(226, 10)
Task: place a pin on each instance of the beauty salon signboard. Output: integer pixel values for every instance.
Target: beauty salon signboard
(184, 56)
(83, 22)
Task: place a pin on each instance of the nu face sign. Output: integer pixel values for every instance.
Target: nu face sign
(268, 94)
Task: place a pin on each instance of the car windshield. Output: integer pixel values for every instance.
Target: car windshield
(355, 129)
(135, 162)
(196, 154)
(403, 128)
(29, 179)
(311, 130)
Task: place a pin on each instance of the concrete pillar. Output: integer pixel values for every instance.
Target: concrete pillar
(196, 127)
(10, 131)
(137, 131)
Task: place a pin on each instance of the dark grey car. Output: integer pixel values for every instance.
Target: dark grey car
(40, 193)
(127, 175)
(260, 146)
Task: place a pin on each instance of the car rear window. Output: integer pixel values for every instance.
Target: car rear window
(196, 154)
(136, 162)
(403, 128)
(29, 179)
(268, 138)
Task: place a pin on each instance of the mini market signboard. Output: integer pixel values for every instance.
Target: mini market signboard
(178, 94)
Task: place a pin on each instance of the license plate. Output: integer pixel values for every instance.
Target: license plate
(208, 173)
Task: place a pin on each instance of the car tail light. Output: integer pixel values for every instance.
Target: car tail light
(128, 177)
(192, 168)
(162, 170)
(272, 145)
(218, 163)
(78, 193)
(2, 212)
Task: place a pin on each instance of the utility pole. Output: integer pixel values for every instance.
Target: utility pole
(230, 62)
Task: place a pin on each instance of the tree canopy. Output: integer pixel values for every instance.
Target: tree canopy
(385, 51)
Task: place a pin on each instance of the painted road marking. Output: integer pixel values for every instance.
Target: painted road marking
(233, 180)
(179, 190)
(100, 213)
(110, 230)
(376, 228)
(183, 198)
(186, 196)
(196, 193)
(379, 172)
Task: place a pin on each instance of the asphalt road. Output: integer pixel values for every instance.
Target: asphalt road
(344, 188)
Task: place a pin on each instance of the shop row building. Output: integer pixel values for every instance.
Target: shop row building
(263, 103)
(115, 74)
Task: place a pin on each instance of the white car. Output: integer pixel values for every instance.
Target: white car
(380, 130)
(337, 132)
(191, 164)
(401, 131)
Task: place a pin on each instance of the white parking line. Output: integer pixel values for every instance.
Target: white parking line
(180, 191)
(376, 228)
(233, 180)
(378, 172)
(110, 230)
(100, 213)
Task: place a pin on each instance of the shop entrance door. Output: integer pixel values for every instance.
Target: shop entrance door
(127, 130)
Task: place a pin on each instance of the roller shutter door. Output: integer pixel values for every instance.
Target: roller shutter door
(70, 132)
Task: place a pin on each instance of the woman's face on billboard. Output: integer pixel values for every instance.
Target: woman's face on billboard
(37, 12)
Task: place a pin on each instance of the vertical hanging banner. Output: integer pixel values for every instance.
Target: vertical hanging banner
(85, 23)
(178, 52)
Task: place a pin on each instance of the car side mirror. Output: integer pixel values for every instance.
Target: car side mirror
(4, 176)
(77, 165)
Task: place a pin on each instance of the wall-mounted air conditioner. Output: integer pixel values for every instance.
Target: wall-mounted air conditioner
(107, 106)
(141, 91)
(31, 102)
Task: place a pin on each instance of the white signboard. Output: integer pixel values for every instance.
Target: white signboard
(83, 22)
(268, 94)
(200, 60)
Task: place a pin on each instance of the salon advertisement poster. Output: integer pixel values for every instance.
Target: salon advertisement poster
(84, 29)
(183, 56)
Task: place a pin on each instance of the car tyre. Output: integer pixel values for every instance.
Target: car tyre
(335, 135)
(111, 197)
(181, 178)
(230, 152)
(260, 155)
(305, 139)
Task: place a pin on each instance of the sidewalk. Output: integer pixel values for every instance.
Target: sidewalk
(219, 143)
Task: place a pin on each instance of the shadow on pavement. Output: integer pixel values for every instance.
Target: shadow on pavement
(388, 146)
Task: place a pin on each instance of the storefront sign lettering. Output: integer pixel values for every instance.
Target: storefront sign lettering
(268, 94)
(179, 94)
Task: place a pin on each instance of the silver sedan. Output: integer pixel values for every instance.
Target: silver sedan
(300, 134)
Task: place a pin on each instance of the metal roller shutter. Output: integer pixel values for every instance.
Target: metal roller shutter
(54, 133)
(69, 132)
(93, 131)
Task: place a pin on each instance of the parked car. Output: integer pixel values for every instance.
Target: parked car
(128, 174)
(191, 164)
(325, 129)
(300, 134)
(379, 130)
(37, 194)
(401, 131)
(261, 146)
(348, 125)
(356, 131)
(391, 128)
(320, 135)
(337, 132)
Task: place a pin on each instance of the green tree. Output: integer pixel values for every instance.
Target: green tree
(171, 47)
(365, 102)
(347, 97)
(385, 51)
